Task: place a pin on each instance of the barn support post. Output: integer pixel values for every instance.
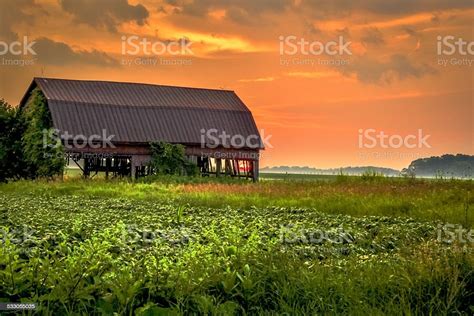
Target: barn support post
(108, 165)
(227, 167)
(237, 167)
(218, 167)
(86, 172)
(134, 167)
(255, 170)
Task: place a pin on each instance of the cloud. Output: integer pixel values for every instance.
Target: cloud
(344, 32)
(108, 14)
(60, 54)
(13, 12)
(369, 70)
(313, 74)
(239, 11)
(435, 18)
(311, 28)
(410, 31)
(372, 36)
(263, 79)
(339, 8)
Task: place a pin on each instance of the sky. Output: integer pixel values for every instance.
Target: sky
(330, 83)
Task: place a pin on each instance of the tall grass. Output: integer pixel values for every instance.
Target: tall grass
(445, 200)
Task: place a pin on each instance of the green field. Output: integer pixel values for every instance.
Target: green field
(312, 245)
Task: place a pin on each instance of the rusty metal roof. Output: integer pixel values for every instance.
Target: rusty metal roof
(142, 113)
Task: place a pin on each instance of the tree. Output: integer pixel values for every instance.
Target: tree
(170, 159)
(460, 166)
(43, 158)
(11, 152)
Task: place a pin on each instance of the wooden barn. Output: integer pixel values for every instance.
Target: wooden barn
(132, 115)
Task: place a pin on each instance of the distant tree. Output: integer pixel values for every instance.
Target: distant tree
(170, 159)
(459, 166)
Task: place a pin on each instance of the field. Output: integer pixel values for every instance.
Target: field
(313, 245)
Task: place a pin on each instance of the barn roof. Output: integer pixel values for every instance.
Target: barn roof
(142, 113)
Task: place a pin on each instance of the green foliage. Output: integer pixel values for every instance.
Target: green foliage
(445, 166)
(421, 199)
(75, 254)
(11, 155)
(169, 159)
(175, 179)
(24, 148)
(44, 157)
(372, 175)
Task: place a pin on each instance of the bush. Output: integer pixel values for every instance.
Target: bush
(169, 159)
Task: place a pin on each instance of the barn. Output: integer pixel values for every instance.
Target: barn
(108, 126)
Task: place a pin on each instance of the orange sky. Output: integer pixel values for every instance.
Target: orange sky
(392, 82)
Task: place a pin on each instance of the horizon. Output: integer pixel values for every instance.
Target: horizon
(339, 84)
(358, 166)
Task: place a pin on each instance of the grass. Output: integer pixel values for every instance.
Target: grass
(429, 200)
(332, 245)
